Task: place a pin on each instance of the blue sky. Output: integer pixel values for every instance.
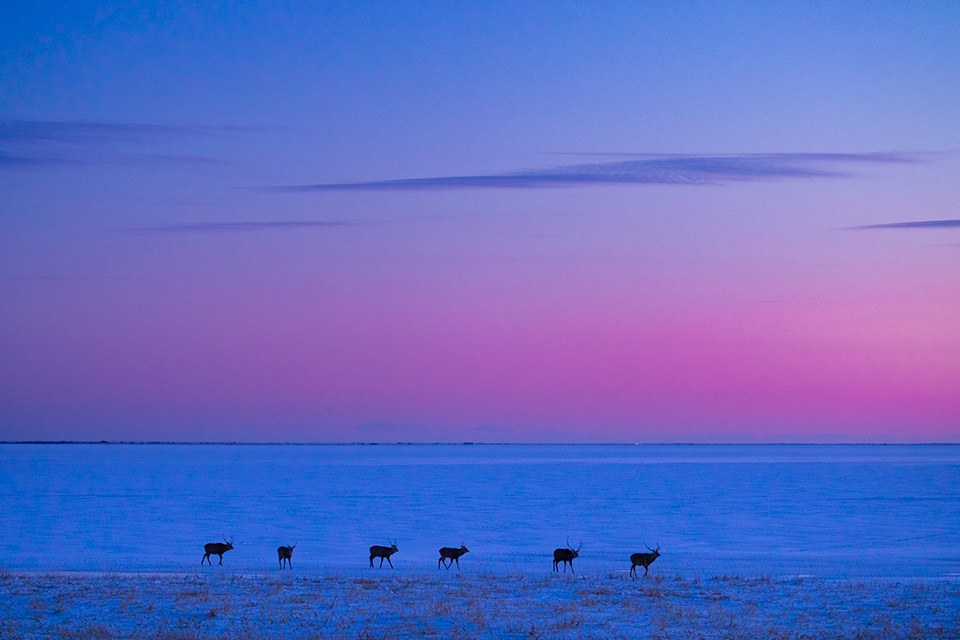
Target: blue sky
(711, 221)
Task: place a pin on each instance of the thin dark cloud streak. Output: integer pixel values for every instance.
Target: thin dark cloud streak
(39, 144)
(92, 158)
(911, 224)
(253, 226)
(641, 170)
(80, 131)
(8, 161)
(869, 156)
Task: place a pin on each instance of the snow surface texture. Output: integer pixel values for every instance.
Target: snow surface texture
(847, 512)
(222, 606)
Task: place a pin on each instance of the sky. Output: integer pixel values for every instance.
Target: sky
(508, 222)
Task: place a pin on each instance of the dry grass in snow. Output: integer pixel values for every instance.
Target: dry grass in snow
(447, 605)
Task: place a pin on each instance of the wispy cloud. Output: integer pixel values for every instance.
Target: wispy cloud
(38, 144)
(8, 161)
(233, 227)
(79, 131)
(643, 169)
(912, 224)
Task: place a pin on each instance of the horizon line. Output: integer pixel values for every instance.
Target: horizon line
(458, 443)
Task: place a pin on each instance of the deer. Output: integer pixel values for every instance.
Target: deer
(286, 553)
(218, 548)
(449, 555)
(566, 556)
(643, 560)
(376, 551)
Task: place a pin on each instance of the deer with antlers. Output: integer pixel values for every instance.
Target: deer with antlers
(218, 548)
(376, 551)
(286, 553)
(566, 556)
(449, 555)
(643, 560)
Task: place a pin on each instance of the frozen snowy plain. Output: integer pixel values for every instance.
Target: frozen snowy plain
(826, 511)
(223, 605)
(759, 541)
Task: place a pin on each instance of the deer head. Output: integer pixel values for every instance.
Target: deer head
(575, 552)
(656, 552)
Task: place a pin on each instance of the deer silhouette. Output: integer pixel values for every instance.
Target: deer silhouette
(643, 560)
(218, 548)
(377, 551)
(566, 556)
(449, 555)
(286, 553)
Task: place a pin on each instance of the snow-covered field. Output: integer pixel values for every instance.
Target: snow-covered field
(441, 604)
(847, 512)
(105, 541)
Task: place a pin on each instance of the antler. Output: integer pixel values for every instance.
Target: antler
(569, 546)
(654, 550)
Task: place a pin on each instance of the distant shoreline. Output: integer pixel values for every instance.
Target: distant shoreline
(481, 444)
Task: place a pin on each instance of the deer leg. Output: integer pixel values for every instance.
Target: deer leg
(458, 563)
(221, 558)
(381, 562)
(571, 567)
(390, 562)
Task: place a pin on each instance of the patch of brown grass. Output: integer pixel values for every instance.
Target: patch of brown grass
(87, 632)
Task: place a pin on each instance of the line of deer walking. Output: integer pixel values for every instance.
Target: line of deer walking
(448, 555)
